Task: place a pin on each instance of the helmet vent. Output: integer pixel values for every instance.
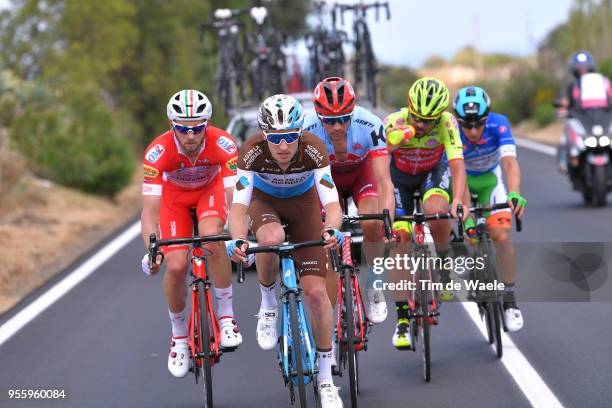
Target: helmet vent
(329, 95)
(470, 92)
(201, 108)
(341, 94)
(280, 116)
(177, 108)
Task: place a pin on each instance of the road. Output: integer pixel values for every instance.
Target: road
(105, 342)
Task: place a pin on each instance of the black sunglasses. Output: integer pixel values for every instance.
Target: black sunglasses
(473, 124)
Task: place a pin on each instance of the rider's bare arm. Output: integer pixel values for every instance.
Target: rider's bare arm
(149, 218)
(380, 165)
(238, 225)
(457, 169)
(513, 173)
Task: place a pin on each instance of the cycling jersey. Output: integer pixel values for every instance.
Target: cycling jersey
(496, 142)
(309, 168)
(421, 154)
(365, 138)
(165, 164)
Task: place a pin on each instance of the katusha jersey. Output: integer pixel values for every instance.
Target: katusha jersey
(421, 154)
(165, 163)
(365, 138)
(309, 168)
(496, 142)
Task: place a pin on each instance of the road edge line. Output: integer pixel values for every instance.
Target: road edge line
(538, 147)
(517, 365)
(53, 294)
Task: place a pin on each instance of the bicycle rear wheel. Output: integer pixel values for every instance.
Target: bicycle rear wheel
(350, 334)
(204, 346)
(488, 310)
(297, 348)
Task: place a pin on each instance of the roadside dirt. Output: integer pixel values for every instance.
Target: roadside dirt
(45, 227)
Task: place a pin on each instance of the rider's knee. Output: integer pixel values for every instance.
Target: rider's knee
(271, 235)
(211, 228)
(371, 230)
(500, 235)
(316, 296)
(176, 269)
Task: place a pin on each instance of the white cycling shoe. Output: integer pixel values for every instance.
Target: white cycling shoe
(230, 335)
(514, 319)
(377, 307)
(267, 336)
(328, 395)
(179, 357)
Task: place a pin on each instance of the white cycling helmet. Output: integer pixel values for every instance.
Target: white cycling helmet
(280, 112)
(189, 104)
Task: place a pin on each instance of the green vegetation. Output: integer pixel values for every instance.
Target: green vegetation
(87, 81)
(394, 84)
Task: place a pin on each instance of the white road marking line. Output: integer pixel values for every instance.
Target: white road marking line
(538, 147)
(523, 373)
(29, 313)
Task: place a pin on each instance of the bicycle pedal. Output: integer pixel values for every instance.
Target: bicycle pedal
(227, 349)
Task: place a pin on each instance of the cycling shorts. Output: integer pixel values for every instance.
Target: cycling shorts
(491, 190)
(175, 210)
(434, 182)
(358, 183)
(303, 219)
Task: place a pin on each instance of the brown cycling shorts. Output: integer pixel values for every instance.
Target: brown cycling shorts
(302, 215)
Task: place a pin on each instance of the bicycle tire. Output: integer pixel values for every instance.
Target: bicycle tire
(204, 344)
(497, 311)
(488, 311)
(297, 348)
(350, 334)
(425, 333)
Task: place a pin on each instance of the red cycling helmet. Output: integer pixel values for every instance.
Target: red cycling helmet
(334, 97)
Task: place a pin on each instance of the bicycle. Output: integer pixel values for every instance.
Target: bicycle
(230, 68)
(364, 62)
(423, 299)
(205, 347)
(490, 303)
(296, 350)
(352, 325)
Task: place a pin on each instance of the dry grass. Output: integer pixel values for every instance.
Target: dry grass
(44, 227)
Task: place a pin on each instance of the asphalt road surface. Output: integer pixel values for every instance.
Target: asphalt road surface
(105, 342)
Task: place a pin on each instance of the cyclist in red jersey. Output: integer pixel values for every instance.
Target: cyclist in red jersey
(355, 140)
(192, 165)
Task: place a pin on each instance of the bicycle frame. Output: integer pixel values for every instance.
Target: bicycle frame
(198, 273)
(289, 284)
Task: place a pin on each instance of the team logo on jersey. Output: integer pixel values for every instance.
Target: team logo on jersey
(150, 171)
(432, 143)
(155, 153)
(226, 144)
(502, 129)
(242, 183)
(357, 146)
(327, 181)
(232, 164)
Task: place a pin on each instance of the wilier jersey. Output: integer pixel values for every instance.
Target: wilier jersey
(309, 168)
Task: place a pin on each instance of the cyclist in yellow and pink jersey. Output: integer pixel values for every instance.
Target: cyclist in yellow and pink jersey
(426, 153)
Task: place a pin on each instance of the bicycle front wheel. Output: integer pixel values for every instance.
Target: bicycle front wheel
(204, 346)
(297, 351)
(350, 334)
(424, 329)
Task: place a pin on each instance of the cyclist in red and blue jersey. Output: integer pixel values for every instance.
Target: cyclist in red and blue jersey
(488, 147)
(359, 159)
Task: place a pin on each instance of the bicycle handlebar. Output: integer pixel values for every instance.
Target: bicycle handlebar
(518, 223)
(362, 8)
(420, 218)
(384, 216)
(155, 244)
(277, 249)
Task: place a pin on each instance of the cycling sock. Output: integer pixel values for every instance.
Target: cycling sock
(402, 310)
(224, 302)
(179, 326)
(268, 295)
(509, 299)
(325, 359)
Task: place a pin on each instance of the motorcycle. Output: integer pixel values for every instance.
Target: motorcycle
(587, 152)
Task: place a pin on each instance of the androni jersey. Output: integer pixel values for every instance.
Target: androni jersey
(365, 138)
(165, 163)
(496, 142)
(421, 154)
(309, 168)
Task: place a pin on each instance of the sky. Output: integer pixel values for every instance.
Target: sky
(421, 28)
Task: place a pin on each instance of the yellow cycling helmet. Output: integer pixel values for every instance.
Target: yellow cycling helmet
(428, 97)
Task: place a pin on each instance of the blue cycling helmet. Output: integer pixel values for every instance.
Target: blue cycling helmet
(582, 59)
(472, 103)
